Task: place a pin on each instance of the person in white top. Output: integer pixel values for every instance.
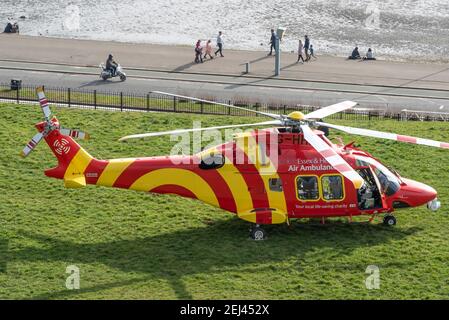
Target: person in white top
(300, 50)
(219, 44)
(369, 55)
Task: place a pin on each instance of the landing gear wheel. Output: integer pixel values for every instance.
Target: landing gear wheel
(257, 233)
(389, 220)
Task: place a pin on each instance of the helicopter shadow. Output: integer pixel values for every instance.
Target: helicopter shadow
(212, 249)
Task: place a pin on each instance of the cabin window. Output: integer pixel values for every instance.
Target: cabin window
(332, 186)
(307, 187)
(213, 161)
(275, 184)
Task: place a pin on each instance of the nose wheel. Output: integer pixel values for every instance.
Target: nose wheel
(257, 233)
(389, 220)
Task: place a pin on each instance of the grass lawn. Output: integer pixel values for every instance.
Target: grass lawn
(134, 245)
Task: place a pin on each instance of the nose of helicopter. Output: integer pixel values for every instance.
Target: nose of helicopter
(414, 193)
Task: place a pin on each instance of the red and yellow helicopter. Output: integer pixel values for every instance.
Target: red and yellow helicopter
(265, 176)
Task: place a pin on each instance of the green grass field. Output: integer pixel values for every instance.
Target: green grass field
(134, 245)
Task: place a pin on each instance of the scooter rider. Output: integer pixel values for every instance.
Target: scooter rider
(111, 64)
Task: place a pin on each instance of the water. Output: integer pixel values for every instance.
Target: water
(396, 30)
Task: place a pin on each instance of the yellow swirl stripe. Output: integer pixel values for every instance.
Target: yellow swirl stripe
(180, 177)
(267, 171)
(113, 170)
(238, 187)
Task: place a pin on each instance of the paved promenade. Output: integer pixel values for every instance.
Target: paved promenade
(375, 84)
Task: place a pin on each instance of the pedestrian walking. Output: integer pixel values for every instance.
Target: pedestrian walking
(208, 49)
(300, 50)
(219, 44)
(272, 42)
(312, 52)
(306, 47)
(198, 52)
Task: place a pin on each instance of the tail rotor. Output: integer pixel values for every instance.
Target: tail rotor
(49, 124)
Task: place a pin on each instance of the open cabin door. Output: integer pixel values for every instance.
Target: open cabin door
(370, 196)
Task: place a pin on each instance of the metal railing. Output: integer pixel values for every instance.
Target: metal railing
(154, 101)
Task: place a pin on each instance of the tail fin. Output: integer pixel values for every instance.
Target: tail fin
(72, 159)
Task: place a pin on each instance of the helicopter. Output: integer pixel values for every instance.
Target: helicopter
(290, 170)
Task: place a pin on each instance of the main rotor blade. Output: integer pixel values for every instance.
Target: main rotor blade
(267, 114)
(75, 133)
(162, 133)
(32, 144)
(332, 156)
(44, 103)
(387, 135)
(327, 111)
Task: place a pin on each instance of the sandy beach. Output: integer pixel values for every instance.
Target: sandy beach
(180, 59)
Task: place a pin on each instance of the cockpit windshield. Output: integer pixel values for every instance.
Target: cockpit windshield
(389, 182)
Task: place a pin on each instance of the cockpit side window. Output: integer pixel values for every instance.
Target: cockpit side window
(390, 184)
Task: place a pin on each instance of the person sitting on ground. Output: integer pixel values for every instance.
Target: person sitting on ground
(15, 27)
(355, 55)
(369, 55)
(8, 28)
(198, 52)
(208, 49)
(111, 64)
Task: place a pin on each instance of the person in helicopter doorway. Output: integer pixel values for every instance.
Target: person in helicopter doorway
(111, 64)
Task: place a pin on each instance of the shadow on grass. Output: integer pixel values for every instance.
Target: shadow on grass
(3, 254)
(222, 246)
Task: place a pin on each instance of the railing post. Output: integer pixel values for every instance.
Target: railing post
(229, 108)
(148, 101)
(121, 100)
(95, 99)
(17, 95)
(174, 103)
(68, 96)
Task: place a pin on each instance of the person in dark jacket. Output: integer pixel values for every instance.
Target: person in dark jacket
(272, 42)
(111, 64)
(8, 28)
(306, 47)
(198, 52)
(355, 55)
